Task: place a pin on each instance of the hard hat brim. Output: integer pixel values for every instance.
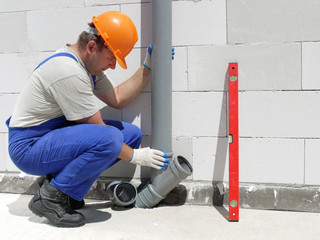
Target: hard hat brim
(122, 62)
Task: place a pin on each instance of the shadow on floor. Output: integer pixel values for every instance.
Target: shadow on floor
(92, 210)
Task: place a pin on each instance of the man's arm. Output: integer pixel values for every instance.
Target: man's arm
(127, 91)
(94, 119)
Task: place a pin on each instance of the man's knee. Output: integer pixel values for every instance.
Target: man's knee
(112, 141)
(136, 131)
(134, 136)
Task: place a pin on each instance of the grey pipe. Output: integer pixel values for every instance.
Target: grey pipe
(178, 169)
(122, 193)
(161, 78)
(162, 75)
(162, 182)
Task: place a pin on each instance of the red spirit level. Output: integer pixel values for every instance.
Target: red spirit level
(233, 143)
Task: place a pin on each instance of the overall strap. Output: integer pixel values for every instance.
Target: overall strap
(64, 54)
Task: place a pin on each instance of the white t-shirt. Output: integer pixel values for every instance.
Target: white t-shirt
(61, 86)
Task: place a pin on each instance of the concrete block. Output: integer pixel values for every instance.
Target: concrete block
(141, 15)
(18, 5)
(16, 68)
(2, 152)
(310, 61)
(182, 146)
(210, 159)
(261, 66)
(279, 114)
(252, 21)
(188, 28)
(122, 169)
(139, 113)
(271, 160)
(312, 167)
(134, 61)
(211, 28)
(6, 165)
(10, 166)
(260, 160)
(14, 31)
(7, 104)
(91, 3)
(65, 26)
(109, 113)
(279, 197)
(198, 114)
(252, 196)
(180, 70)
(145, 172)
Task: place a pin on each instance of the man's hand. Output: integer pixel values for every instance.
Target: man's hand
(149, 157)
(147, 60)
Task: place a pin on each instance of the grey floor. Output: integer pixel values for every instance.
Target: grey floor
(164, 222)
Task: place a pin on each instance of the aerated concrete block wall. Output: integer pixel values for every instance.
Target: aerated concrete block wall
(275, 42)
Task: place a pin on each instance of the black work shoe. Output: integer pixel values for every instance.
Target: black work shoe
(54, 205)
(75, 204)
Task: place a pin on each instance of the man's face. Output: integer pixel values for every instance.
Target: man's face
(101, 60)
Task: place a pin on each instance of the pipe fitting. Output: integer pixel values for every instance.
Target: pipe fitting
(148, 197)
(122, 193)
(163, 183)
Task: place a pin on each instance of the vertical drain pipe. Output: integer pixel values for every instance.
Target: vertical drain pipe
(162, 76)
(162, 182)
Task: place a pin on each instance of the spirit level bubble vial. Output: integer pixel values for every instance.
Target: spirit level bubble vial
(233, 143)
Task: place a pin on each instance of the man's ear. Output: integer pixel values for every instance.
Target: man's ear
(91, 46)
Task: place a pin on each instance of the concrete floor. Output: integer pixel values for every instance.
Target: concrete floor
(179, 222)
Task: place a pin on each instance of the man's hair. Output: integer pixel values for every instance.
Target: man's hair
(86, 37)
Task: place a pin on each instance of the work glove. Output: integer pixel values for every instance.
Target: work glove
(147, 60)
(150, 157)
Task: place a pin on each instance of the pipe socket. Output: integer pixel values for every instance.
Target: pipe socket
(163, 183)
(122, 193)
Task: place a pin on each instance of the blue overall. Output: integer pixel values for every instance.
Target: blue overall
(75, 154)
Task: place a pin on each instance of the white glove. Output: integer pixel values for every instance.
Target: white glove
(147, 60)
(149, 157)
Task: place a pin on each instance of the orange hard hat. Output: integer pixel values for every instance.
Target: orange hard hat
(118, 32)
